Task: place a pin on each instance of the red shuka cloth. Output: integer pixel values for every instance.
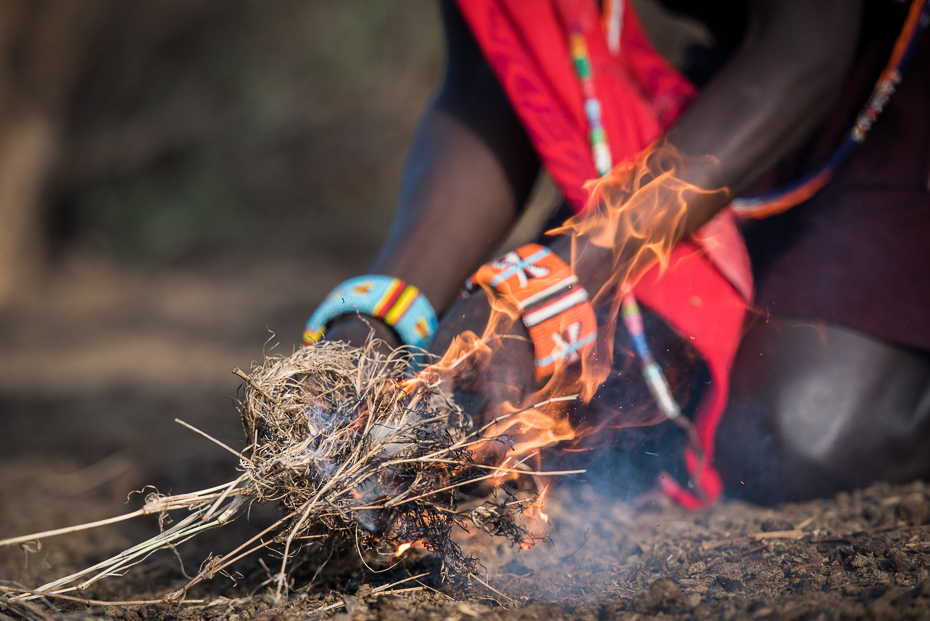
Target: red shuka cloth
(641, 94)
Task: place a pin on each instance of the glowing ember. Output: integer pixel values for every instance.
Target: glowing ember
(540, 503)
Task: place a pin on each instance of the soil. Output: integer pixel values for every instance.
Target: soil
(87, 419)
(861, 554)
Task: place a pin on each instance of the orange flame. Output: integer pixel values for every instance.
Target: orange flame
(635, 216)
(534, 429)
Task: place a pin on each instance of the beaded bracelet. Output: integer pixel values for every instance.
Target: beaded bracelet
(554, 306)
(391, 300)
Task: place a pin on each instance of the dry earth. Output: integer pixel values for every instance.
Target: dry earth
(860, 555)
(97, 365)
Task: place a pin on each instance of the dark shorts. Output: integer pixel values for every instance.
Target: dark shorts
(858, 253)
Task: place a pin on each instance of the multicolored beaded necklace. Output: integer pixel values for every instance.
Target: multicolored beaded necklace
(632, 316)
(781, 199)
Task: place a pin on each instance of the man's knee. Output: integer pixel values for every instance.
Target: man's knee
(816, 408)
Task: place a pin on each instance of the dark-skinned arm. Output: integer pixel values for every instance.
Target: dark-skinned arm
(765, 102)
(762, 105)
(469, 172)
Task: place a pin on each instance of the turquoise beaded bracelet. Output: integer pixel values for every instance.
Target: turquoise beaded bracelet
(391, 300)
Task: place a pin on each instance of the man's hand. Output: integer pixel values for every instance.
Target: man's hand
(355, 329)
(501, 369)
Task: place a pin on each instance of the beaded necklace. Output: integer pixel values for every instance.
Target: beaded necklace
(781, 199)
(632, 316)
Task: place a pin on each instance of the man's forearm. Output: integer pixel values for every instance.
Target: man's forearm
(470, 170)
(770, 96)
(456, 205)
(762, 104)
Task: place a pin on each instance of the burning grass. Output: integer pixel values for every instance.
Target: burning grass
(352, 444)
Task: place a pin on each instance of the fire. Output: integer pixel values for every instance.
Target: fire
(402, 548)
(635, 216)
(530, 431)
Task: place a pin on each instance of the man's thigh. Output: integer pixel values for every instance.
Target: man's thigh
(817, 407)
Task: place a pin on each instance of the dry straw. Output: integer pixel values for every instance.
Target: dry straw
(352, 443)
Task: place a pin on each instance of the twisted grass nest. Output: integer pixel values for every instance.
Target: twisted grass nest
(357, 443)
(351, 443)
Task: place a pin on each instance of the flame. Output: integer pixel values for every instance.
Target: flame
(634, 217)
(402, 548)
(528, 431)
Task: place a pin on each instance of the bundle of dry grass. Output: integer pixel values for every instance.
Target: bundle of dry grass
(352, 443)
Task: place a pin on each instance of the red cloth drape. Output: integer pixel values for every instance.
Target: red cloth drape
(641, 94)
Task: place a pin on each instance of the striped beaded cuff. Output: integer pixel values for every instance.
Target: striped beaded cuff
(391, 300)
(554, 306)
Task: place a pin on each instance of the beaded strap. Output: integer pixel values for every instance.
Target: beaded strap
(391, 300)
(632, 318)
(592, 105)
(554, 306)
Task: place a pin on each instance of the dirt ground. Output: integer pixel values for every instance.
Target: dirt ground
(87, 416)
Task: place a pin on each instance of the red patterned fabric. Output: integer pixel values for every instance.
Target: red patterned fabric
(526, 44)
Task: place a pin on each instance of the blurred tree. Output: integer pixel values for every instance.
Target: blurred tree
(43, 44)
(158, 131)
